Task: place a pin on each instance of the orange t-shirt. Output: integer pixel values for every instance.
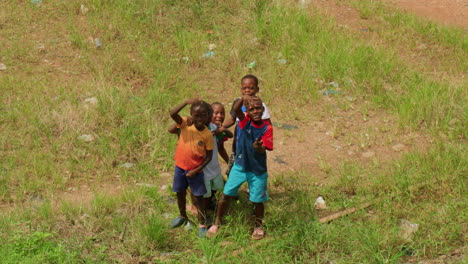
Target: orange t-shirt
(192, 146)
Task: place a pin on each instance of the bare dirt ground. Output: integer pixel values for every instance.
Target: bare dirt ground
(447, 12)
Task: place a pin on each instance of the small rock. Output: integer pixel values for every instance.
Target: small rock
(163, 188)
(398, 147)
(91, 101)
(3, 67)
(211, 46)
(407, 229)
(84, 216)
(36, 2)
(86, 138)
(185, 59)
(83, 9)
(349, 98)
(127, 165)
(368, 154)
(320, 203)
(166, 215)
(98, 43)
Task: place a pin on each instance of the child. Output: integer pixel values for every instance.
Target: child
(194, 151)
(249, 86)
(213, 178)
(255, 137)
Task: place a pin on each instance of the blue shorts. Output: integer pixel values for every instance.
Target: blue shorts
(257, 184)
(182, 182)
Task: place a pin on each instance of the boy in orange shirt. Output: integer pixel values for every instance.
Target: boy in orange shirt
(194, 151)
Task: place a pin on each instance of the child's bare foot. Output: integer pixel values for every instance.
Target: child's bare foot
(212, 231)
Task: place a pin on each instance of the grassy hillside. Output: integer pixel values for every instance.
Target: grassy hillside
(113, 69)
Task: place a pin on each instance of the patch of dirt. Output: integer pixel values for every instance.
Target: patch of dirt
(447, 12)
(421, 51)
(345, 131)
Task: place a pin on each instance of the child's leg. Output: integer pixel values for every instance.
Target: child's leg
(197, 186)
(259, 214)
(258, 195)
(181, 202)
(223, 206)
(200, 204)
(179, 186)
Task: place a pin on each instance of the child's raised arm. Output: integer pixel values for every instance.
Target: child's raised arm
(175, 111)
(238, 107)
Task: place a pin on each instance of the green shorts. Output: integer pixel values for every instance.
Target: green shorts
(216, 184)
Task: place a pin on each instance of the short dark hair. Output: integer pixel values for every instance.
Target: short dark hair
(202, 104)
(217, 103)
(250, 76)
(256, 99)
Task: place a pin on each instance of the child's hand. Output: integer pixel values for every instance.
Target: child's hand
(189, 121)
(191, 174)
(258, 145)
(192, 100)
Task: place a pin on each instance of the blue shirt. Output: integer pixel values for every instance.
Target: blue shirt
(246, 156)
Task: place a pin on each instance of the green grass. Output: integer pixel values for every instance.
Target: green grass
(139, 73)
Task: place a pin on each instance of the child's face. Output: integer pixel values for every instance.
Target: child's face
(218, 114)
(199, 117)
(255, 110)
(248, 87)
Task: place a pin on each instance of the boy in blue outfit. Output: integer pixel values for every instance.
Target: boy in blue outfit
(255, 137)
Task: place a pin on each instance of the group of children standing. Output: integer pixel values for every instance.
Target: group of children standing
(201, 138)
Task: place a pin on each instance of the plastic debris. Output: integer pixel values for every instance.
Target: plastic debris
(282, 61)
(3, 67)
(83, 9)
(330, 91)
(252, 64)
(320, 203)
(334, 84)
(127, 165)
(36, 2)
(185, 59)
(163, 188)
(407, 229)
(285, 126)
(280, 160)
(86, 138)
(188, 226)
(208, 54)
(364, 29)
(98, 43)
(349, 98)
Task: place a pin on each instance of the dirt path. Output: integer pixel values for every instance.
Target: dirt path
(447, 12)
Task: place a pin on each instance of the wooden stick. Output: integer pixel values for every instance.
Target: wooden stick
(348, 211)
